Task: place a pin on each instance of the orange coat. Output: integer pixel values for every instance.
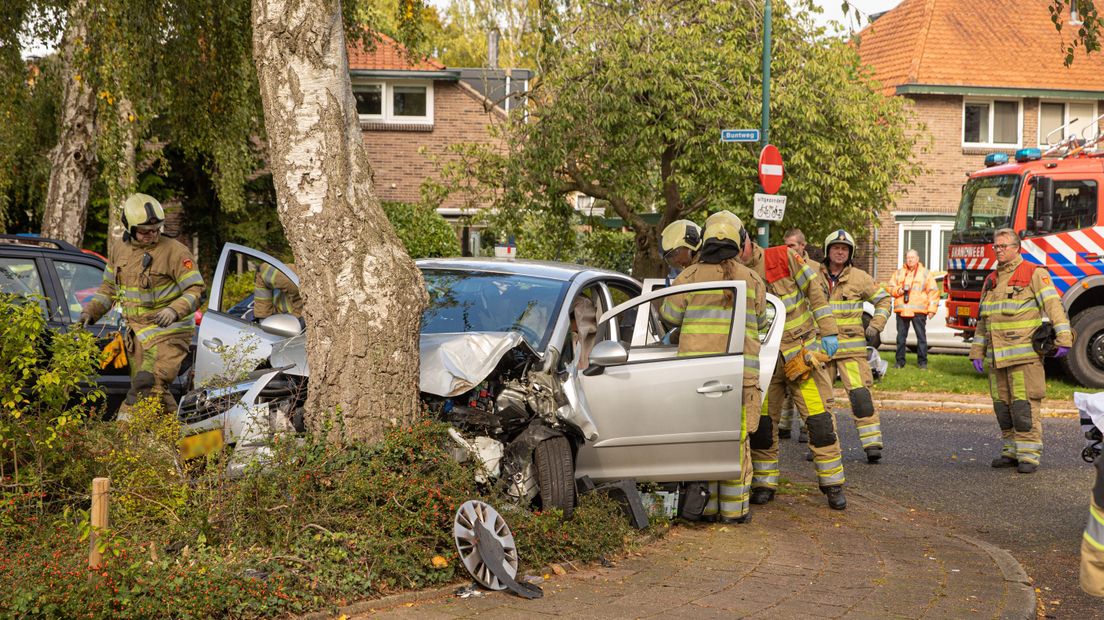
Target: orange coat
(923, 292)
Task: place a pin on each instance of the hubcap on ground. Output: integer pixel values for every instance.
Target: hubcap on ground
(463, 531)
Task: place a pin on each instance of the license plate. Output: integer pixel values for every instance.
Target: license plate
(963, 311)
(201, 444)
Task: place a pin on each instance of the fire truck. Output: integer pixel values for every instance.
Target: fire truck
(1052, 200)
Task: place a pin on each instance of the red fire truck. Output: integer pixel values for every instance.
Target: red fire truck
(1053, 202)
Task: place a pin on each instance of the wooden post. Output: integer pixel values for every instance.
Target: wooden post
(101, 490)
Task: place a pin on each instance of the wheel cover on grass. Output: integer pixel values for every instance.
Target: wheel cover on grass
(463, 531)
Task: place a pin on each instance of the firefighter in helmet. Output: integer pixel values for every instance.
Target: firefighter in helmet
(155, 282)
(679, 244)
(848, 288)
(700, 314)
(274, 292)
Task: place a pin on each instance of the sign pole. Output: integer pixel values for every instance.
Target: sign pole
(763, 226)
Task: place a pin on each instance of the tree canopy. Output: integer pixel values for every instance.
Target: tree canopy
(631, 105)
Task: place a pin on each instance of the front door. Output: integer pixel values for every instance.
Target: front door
(231, 341)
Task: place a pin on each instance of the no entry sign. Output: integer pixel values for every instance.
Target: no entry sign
(770, 169)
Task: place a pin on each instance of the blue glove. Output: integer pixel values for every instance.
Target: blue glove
(829, 344)
(1061, 352)
(979, 365)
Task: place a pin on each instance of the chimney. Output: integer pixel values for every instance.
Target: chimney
(492, 49)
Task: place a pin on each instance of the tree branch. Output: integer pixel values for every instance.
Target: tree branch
(619, 204)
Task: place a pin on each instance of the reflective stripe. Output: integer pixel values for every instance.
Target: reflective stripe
(1008, 448)
(850, 344)
(734, 498)
(1019, 385)
(670, 312)
(707, 312)
(804, 275)
(765, 474)
(1004, 354)
(853, 374)
(153, 331)
(1094, 530)
(811, 395)
(822, 312)
(101, 299)
(793, 322)
(870, 435)
(1028, 452)
(1061, 327)
(829, 471)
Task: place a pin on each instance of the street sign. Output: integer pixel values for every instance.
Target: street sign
(739, 135)
(770, 207)
(770, 169)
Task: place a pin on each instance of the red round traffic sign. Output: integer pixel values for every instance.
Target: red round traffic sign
(770, 169)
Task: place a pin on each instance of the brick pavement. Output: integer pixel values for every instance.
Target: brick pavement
(796, 559)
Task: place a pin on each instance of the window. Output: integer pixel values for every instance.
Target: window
(79, 282)
(1075, 207)
(402, 102)
(19, 276)
(369, 100)
(991, 123)
(1053, 115)
(929, 236)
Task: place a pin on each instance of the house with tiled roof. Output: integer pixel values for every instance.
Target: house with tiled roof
(412, 109)
(984, 76)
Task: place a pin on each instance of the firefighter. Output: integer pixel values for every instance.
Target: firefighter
(1092, 542)
(274, 292)
(705, 317)
(848, 288)
(155, 281)
(799, 371)
(795, 240)
(679, 244)
(1013, 300)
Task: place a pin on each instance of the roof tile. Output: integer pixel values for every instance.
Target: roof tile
(389, 55)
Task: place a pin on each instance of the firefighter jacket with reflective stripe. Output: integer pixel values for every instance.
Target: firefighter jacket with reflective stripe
(1013, 300)
(706, 316)
(923, 293)
(790, 278)
(144, 286)
(846, 295)
(273, 292)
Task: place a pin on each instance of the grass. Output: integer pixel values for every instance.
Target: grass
(954, 374)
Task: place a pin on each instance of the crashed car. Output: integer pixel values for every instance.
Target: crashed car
(546, 372)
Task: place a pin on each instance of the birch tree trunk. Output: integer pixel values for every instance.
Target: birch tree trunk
(363, 294)
(73, 159)
(126, 175)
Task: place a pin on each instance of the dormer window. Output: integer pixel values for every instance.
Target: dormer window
(399, 102)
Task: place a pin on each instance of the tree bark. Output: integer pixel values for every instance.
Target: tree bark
(73, 159)
(364, 295)
(126, 171)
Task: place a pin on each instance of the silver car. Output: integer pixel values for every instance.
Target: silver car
(546, 372)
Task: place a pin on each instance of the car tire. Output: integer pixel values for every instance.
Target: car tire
(555, 474)
(1085, 362)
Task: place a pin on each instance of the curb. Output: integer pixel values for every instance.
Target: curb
(962, 403)
(1021, 597)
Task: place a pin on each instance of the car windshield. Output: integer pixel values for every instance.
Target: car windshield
(473, 301)
(987, 204)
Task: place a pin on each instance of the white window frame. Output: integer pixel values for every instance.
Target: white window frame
(388, 93)
(1065, 115)
(992, 108)
(935, 229)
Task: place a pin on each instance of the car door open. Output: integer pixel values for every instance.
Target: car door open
(661, 417)
(228, 334)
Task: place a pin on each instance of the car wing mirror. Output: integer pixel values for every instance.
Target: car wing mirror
(281, 325)
(606, 353)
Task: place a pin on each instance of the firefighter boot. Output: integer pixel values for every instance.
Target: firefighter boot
(873, 454)
(836, 500)
(1004, 461)
(1026, 468)
(803, 435)
(761, 496)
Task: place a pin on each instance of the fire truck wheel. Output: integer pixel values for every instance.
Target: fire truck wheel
(556, 474)
(1085, 362)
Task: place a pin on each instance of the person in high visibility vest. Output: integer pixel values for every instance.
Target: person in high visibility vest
(1092, 541)
(915, 300)
(274, 292)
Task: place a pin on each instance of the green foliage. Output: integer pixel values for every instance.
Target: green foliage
(462, 41)
(236, 287)
(1088, 33)
(424, 233)
(954, 374)
(29, 97)
(608, 249)
(630, 108)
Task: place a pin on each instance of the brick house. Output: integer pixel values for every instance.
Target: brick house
(983, 76)
(412, 109)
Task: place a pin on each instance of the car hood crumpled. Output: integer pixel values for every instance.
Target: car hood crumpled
(456, 362)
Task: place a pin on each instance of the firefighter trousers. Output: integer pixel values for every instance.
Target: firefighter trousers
(854, 373)
(153, 368)
(810, 397)
(1017, 401)
(731, 498)
(1092, 541)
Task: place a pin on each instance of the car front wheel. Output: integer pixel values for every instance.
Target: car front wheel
(556, 474)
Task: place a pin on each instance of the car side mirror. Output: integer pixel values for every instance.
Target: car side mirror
(608, 353)
(281, 325)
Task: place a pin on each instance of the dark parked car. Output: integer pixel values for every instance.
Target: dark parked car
(62, 277)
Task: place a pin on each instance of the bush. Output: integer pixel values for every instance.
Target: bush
(423, 232)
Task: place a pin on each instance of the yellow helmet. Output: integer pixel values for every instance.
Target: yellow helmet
(725, 225)
(840, 236)
(142, 210)
(680, 234)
